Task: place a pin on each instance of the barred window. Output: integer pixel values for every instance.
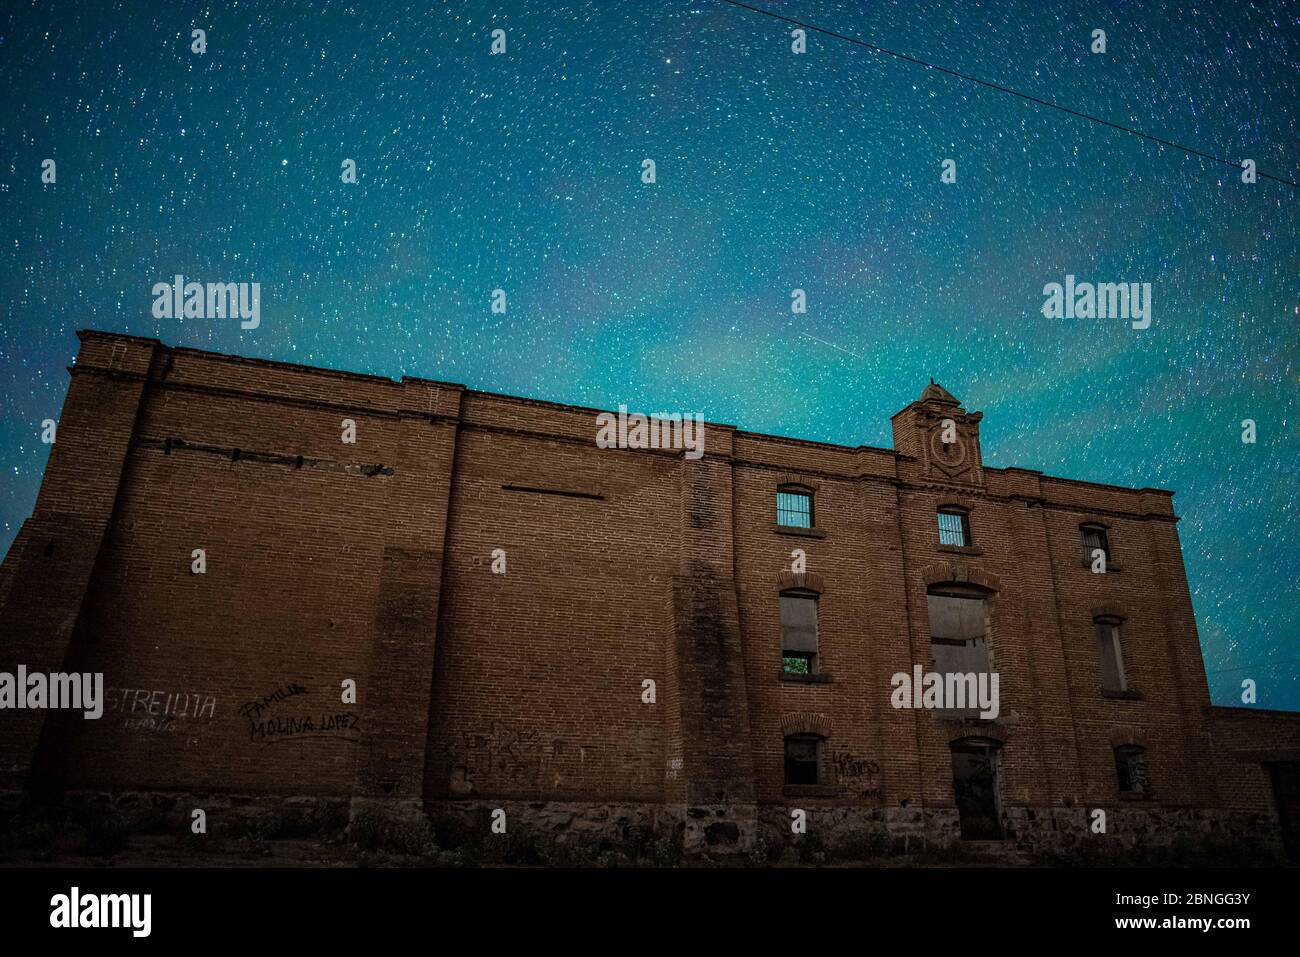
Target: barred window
(1094, 538)
(794, 508)
(954, 527)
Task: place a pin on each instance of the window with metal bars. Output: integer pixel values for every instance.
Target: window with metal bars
(1094, 538)
(954, 527)
(1131, 769)
(794, 508)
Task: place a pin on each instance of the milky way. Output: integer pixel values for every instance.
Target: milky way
(774, 171)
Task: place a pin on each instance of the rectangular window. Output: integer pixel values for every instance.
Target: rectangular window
(798, 634)
(1094, 538)
(1131, 769)
(954, 529)
(957, 640)
(794, 509)
(1110, 657)
(796, 664)
(801, 759)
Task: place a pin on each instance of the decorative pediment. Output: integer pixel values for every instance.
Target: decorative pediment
(944, 436)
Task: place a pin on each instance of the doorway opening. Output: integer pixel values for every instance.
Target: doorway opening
(975, 785)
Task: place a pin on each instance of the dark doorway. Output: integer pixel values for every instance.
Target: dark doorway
(975, 784)
(1286, 795)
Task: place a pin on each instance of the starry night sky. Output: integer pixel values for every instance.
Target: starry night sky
(775, 171)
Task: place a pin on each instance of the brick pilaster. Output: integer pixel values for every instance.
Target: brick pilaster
(712, 719)
(395, 702)
(49, 574)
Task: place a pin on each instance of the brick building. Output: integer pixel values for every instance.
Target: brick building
(503, 593)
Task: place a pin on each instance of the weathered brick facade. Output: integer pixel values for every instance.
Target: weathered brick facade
(373, 562)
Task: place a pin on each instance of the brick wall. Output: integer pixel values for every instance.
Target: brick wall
(1244, 742)
(374, 562)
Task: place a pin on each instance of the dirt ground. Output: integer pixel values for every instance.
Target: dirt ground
(167, 851)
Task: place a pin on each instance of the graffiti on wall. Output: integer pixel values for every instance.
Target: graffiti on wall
(252, 710)
(269, 719)
(339, 727)
(504, 757)
(143, 709)
(857, 774)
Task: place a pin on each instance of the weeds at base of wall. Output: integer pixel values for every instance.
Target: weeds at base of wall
(370, 832)
(863, 844)
(811, 849)
(1183, 851)
(102, 826)
(451, 844)
(92, 831)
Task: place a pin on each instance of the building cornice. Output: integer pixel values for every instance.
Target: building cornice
(157, 378)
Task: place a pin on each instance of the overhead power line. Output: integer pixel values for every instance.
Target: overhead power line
(1258, 664)
(1006, 89)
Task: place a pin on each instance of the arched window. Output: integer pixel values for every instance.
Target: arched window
(799, 632)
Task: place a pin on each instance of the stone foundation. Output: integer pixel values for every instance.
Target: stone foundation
(732, 833)
(888, 830)
(1140, 829)
(572, 822)
(271, 816)
(718, 830)
(1045, 833)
